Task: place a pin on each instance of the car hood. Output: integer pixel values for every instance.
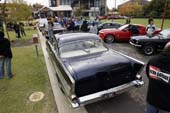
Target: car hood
(143, 37)
(90, 65)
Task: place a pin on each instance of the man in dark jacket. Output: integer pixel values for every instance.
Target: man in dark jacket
(84, 26)
(5, 56)
(158, 72)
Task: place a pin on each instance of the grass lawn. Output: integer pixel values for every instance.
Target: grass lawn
(30, 75)
(29, 32)
(144, 22)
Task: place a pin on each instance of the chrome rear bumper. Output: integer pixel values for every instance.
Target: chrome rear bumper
(106, 93)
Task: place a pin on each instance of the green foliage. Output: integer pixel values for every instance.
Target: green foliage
(19, 11)
(30, 75)
(79, 12)
(132, 9)
(153, 14)
(156, 8)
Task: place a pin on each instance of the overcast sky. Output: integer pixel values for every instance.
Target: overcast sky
(45, 2)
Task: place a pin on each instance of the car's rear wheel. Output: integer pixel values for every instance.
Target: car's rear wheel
(109, 39)
(149, 49)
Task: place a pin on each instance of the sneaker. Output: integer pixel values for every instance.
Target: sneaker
(10, 76)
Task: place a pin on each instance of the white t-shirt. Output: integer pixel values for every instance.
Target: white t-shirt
(93, 29)
(150, 29)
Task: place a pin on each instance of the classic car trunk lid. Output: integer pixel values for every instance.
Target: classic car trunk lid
(100, 72)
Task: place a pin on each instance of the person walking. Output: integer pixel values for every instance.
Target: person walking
(150, 28)
(93, 29)
(5, 56)
(84, 26)
(17, 30)
(158, 73)
(22, 29)
(128, 20)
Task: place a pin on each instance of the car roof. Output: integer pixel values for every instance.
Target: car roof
(65, 38)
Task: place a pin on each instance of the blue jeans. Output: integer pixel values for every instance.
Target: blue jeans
(6, 61)
(152, 109)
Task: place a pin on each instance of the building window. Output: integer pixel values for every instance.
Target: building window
(66, 2)
(53, 3)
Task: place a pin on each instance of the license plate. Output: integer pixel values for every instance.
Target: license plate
(109, 95)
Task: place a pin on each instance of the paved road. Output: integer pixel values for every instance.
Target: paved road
(132, 101)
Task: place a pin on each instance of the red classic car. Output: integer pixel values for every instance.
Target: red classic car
(123, 33)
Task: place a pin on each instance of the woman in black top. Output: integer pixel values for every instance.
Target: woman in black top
(5, 56)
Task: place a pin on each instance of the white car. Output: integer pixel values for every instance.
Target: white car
(42, 23)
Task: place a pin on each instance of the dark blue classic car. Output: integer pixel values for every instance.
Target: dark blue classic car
(88, 71)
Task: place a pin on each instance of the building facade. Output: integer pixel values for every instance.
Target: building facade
(89, 7)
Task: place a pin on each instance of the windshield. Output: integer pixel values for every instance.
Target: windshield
(123, 27)
(82, 47)
(165, 33)
(57, 26)
(43, 21)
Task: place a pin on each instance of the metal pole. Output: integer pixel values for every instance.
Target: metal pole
(36, 49)
(163, 17)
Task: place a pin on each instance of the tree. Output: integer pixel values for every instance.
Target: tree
(19, 11)
(79, 11)
(132, 9)
(156, 8)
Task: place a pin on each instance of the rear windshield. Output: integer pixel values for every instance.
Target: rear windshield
(80, 48)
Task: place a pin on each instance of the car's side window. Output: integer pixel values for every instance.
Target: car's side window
(134, 30)
(105, 26)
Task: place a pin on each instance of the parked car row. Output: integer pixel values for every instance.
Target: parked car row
(123, 33)
(99, 25)
(136, 35)
(88, 71)
(111, 17)
(111, 32)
